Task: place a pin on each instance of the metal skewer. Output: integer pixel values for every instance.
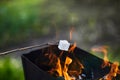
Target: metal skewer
(28, 47)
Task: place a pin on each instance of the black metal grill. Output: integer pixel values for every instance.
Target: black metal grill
(35, 70)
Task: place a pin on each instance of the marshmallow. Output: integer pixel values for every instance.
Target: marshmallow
(64, 45)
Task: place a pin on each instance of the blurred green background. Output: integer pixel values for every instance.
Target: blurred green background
(30, 22)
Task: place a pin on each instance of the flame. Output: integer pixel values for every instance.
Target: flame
(72, 48)
(114, 66)
(61, 54)
(52, 57)
(113, 71)
(62, 67)
(68, 61)
(81, 66)
(74, 45)
(70, 69)
(58, 67)
(103, 49)
(75, 68)
(71, 33)
(64, 72)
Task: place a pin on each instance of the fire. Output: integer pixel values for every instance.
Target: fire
(74, 45)
(113, 72)
(61, 54)
(51, 57)
(71, 32)
(114, 66)
(72, 48)
(69, 68)
(68, 61)
(67, 65)
(103, 49)
(63, 65)
(58, 67)
(62, 70)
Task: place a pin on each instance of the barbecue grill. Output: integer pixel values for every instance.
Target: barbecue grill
(34, 69)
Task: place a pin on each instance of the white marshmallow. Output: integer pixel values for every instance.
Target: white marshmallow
(64, 45)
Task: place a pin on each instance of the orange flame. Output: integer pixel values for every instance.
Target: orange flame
(51, 57)
(113, 71)
(70, 69)
(75, 68)
(72, 48)
(71, 32)
(68, 61)
(59, 68)
(64, 72)
(114, 67)
(103, 49)
(74, 45)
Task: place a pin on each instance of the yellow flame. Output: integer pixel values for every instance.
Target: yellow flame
(58, 67)
(62, 67)
(68, 61)
(113, 71)
(72, 47)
